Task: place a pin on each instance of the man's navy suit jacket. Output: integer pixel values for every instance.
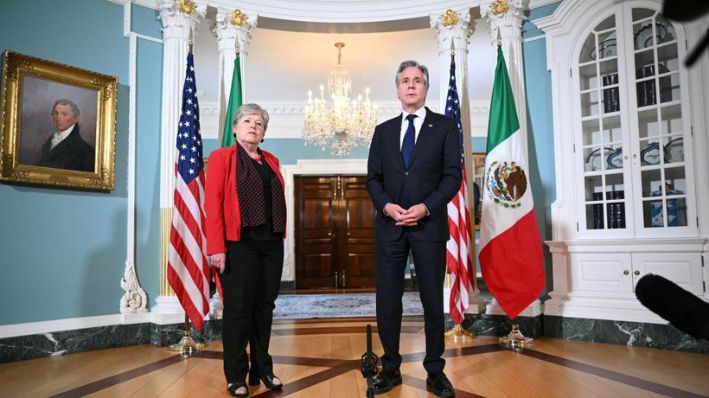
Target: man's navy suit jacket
(433, 177)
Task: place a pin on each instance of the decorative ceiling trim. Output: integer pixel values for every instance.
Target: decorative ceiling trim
(339, 11)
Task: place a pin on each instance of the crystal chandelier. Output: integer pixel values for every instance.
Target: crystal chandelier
(343, 123)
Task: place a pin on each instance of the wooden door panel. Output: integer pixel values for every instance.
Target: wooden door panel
(334, 221)
(316, 261)
(358, 247)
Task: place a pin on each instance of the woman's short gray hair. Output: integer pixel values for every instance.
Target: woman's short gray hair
(414, 64)
(251, 109)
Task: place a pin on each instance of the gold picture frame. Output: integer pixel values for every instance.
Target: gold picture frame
(36, 94)
(478, 177)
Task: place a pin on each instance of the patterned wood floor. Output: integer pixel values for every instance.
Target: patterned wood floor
(321, 359)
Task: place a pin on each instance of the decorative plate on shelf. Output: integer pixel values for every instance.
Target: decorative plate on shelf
(607, 48)
(650, 154)
(674, 151)
(595, 159)
(643, 38)
(615, 159)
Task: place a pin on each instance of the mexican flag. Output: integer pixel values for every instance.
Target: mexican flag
(234, 104)
(510, 244)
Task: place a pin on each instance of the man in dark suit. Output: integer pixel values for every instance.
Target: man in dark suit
(65, 149)
(413, 171)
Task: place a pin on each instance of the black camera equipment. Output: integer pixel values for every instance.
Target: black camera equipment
(369, 364)
(684, 11)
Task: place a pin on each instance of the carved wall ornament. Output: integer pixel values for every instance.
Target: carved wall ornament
(187, 7)
(450, 18)
(499, 7)
(237, 18)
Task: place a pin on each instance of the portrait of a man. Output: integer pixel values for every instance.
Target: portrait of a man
(58, 126)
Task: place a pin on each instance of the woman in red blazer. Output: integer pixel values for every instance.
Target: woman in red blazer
(246, 221)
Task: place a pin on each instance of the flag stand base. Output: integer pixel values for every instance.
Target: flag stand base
(515, 339)
(458, 334)
(187, 346)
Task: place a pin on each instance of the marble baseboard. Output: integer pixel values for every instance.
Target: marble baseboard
(604, 331)
(72, 341)
(620, 332)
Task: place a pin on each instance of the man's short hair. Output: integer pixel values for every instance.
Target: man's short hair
(66, 102)
(409, 64)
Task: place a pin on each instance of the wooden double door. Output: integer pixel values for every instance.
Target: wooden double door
(334, 233)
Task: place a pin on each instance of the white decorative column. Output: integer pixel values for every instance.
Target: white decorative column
(179, 19)
(233, 33)
(453, 30)
(504, 19)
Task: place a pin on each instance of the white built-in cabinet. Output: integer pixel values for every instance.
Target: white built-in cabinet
(629, 122)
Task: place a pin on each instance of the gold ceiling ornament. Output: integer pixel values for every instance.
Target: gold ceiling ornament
(343, 123)
(237, 18)
(499, 7)
(187, 7)
(450, 18)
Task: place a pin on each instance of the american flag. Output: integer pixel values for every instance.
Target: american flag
(188, 267)
(458, 246)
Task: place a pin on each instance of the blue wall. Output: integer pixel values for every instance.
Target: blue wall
(64, 251)
(540, 126)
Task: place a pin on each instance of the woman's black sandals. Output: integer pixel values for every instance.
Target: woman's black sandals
(233, 389)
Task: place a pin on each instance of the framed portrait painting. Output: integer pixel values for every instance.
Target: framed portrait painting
(58, 124)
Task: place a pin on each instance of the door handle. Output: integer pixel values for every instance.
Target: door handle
(344, 279)
(337, 278)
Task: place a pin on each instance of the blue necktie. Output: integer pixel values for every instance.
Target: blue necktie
(407, 147)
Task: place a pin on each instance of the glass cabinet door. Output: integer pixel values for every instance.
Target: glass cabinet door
(632, 126)
(602, 129)
(659, 116)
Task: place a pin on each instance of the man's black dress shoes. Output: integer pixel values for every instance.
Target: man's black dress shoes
(386, 381)
(439, 384)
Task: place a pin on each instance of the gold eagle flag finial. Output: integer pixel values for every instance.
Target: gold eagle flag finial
(187, 7)
(499, 7)
(450, 18)
(237, 18)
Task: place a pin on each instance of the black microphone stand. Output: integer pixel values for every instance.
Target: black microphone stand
(369, 364)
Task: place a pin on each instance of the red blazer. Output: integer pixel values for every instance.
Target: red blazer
(222, 201)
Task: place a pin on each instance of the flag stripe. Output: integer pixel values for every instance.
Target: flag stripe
(519, 284)
(188, 267)
(504, 217)
(234, 104)
(503, 120)
(457, 249)
(192, 279)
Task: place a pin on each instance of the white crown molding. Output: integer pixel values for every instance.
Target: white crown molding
(339, 11)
